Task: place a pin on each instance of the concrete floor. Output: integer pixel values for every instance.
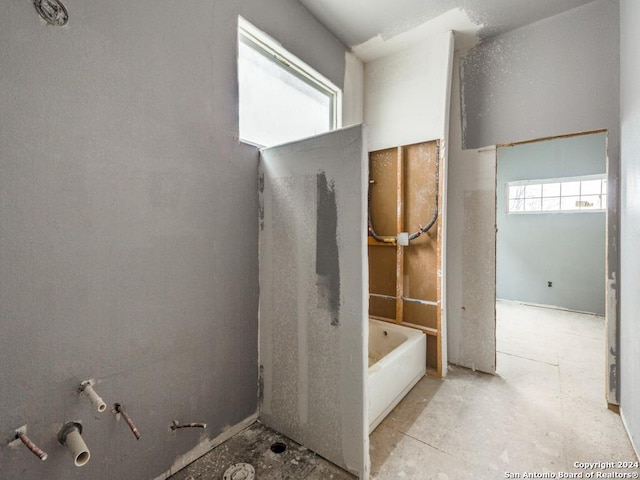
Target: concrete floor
(544, 410)
(253, 446)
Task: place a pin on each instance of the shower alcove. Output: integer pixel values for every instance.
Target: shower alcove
(315, 257)
(405, 275)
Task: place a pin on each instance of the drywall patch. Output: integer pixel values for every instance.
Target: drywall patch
(327, 254)
(478, 265)
(488, 67)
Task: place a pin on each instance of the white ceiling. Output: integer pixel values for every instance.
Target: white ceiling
(358, 23)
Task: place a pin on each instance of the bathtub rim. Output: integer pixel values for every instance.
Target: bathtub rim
(414, 337)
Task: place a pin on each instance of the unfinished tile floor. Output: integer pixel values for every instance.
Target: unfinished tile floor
(544, 410)
(541, 413)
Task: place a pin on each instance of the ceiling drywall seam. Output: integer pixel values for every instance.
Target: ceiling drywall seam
(454, 20)
(358, 21)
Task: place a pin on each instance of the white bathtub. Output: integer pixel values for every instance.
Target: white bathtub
(397, 361)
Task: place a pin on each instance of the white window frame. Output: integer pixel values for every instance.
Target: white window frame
(560, 180)
(273, 50)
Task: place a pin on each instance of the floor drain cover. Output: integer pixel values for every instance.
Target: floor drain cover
(240, 471)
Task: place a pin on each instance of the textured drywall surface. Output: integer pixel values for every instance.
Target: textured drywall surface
(470, 249)
(313, 327)
(128, 231)
(554, 77)
(567, 249)
(630, 256)
(405, 96)
(356, 22)
(353, 92)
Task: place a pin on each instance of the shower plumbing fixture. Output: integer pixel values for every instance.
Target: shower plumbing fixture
(117, 409)
(21, 434)
(52, 11)
(71, 436)
(176, 425)
(370, 228)
(86, 387)
(421, 229)
(434, 217)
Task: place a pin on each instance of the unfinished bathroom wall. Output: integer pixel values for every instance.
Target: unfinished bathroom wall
(313, 311)
(630, 219)
(406, 102)
(128, 227)
(406, 95)
(553, 77)
(471, 253)
(405, 278)
(566, 249)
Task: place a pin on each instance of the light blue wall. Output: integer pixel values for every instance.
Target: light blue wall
(567, 249)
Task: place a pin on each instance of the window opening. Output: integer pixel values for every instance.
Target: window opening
(280, 97)
(576, 194)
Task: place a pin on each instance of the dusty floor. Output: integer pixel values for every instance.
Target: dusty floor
(542, 412)
(253, 446)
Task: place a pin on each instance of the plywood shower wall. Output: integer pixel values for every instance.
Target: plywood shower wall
(405, 281)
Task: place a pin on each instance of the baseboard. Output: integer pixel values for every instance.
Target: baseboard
(626, 427)
(206, 446)
(549, 307)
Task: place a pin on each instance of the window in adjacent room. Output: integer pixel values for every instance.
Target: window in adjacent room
(280, 97)
(577, 194)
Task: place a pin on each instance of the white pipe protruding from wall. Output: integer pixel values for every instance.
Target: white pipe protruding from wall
(21, 434)
(71, 436)
(87, 388)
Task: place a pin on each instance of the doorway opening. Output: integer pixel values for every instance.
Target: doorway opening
(551, 253)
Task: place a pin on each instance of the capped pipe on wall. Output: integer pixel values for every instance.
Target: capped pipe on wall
(21, 436)
(71, 436)
(86, 387)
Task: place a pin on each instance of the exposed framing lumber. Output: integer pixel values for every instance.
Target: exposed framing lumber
(399, 225)
(414, 305)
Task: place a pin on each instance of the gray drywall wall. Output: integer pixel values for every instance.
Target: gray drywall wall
(313, 305)
(567, 249)
(128, 226)
(554, 77)
(470, 248)
(630, 233)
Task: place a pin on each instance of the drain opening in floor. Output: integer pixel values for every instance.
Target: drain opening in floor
(278, 447)
(240, 471)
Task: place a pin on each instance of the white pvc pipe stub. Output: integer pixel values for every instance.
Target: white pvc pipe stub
(71, 436)
(93, 396)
